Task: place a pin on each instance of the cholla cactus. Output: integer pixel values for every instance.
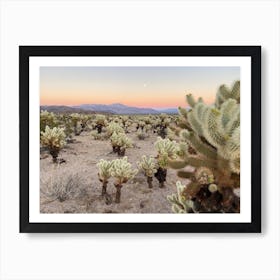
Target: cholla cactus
(166, 150)
(104, 173)
(85, 119)
(98, 136)
(47, 119)
(120, 142)
(113, 127)
(180, 203)
(212, 135)
(76, 122)
(54, 140)
(149, 167)
(68, 127)
(160, 125)
(141, 134)
(100, 121)
(122, 171)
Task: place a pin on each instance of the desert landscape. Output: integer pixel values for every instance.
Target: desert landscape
(159, 150)
(81, 157)
(187, 162)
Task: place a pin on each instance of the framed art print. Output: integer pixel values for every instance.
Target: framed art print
(140, 138)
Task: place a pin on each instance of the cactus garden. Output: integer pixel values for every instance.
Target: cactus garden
(186, 161)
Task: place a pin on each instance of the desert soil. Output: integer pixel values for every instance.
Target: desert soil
(81, 158)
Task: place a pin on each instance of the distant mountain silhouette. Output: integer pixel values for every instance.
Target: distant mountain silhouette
(61, 109)
(115, 108)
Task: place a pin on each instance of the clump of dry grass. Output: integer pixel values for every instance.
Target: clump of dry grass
(63, 187)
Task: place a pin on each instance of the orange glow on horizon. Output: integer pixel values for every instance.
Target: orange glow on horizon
(151, 102)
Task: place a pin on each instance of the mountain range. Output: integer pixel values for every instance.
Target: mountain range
(115, 108)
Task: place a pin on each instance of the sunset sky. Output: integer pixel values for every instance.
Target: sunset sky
(153, 87)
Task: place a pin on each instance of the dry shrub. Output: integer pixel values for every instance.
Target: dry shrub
(63, 186)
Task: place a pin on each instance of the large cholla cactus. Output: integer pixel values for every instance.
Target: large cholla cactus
(149, 167)
(104, 173)
(213, 140)
(166, 150)
(54, 140)
(122, 171)
(47, 119)
(120, 142)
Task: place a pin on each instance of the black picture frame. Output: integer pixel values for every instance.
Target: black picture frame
(254, 52)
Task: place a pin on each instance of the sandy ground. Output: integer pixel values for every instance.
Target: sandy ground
(81, 158)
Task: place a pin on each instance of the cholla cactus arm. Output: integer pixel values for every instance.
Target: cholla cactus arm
(54, 140)
(183, 112)
(227, 110)
(213, 130)
(195, 123)
(234, 122)
(235, 92)
(180, 204)
(224, 93)
(201, 148)
(190, 99)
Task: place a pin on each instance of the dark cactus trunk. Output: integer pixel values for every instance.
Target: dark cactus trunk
(121, 152)
(149, 181)
(218, 202)
(104, 188)
(161, 176)
(54, 154)
(99, 128)
(162, 132)
(118, 193)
